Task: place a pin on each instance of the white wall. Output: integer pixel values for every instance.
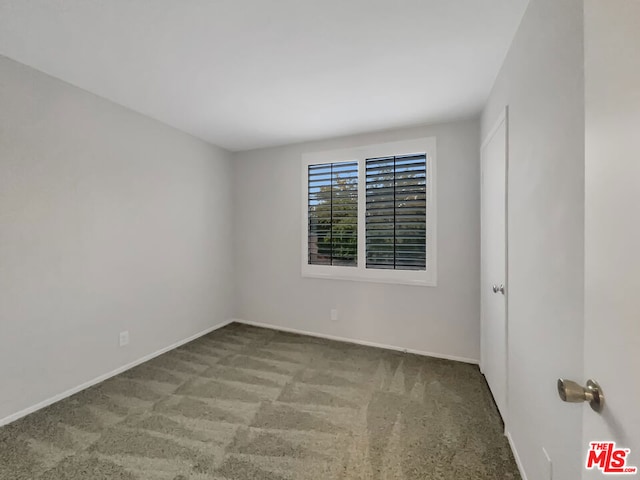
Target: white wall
(542, 81)
(443, 320)
(612, 232)
(108, 221)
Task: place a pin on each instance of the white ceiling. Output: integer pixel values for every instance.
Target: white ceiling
(245, 74)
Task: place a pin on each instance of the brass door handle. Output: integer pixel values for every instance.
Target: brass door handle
(573, 392)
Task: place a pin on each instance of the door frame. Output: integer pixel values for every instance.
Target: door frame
(503, 117)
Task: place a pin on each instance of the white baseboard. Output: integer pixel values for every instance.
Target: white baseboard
(102, 378)
(358, 342)
(516, 456)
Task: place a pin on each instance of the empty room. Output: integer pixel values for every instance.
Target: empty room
(319, 239)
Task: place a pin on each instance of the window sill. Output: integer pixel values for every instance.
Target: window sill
(355, 274)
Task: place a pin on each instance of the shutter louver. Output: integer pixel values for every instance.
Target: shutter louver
(333, 214)
(396, 204)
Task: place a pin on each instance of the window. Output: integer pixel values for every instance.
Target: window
(369, 213)
(396, 202)
(333, 214)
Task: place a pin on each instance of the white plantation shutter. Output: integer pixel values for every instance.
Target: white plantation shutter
(396, 207)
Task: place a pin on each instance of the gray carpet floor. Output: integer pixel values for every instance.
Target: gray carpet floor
(245, 403)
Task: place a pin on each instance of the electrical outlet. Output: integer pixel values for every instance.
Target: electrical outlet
(124, 338)
(334, 314)
(548, 467)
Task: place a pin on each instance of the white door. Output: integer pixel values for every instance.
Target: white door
(612, 225)
(494, 278)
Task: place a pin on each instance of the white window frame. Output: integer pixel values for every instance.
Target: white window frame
(426, 277)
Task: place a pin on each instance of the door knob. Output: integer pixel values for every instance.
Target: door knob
(495, 289)
(571, 391)
(501, 289)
